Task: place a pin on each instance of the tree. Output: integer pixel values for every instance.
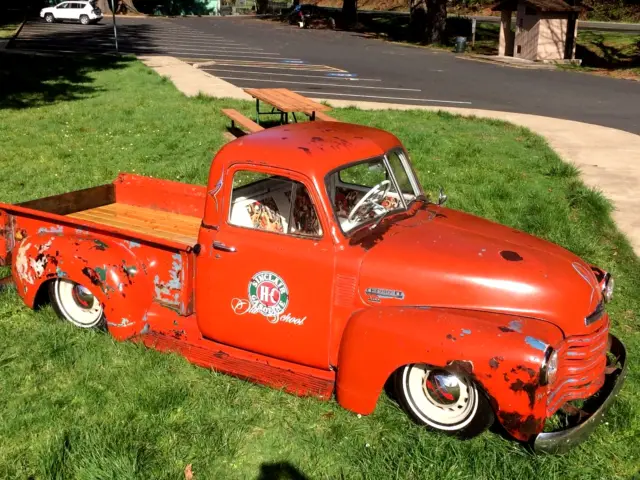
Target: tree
(427, 20)
(417, 19)
(349, 12)
(122, 6)
(436, 21)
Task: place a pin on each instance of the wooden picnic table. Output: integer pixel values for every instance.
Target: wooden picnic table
(284, 102)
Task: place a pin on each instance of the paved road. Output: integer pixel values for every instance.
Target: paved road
(254, 53)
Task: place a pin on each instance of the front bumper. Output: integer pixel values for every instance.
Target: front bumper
(563, 440)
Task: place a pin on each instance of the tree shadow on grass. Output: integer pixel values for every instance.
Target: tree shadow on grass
(31, 80)
(607, 54)
(34, 72)
(280, 471)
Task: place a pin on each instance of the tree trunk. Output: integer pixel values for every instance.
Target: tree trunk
(349, 12)
(436, 21)
(417, 19)
(104, 5)
(262, 6)
(122, 6)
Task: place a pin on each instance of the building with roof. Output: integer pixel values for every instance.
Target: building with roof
(545, 30)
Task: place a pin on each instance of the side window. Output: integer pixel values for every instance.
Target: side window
(272, 203)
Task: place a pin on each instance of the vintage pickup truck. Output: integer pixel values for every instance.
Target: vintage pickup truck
(314, 262)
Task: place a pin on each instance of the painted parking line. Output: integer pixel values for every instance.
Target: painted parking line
(425, 100)
(133, 46)
(109, 33)
(323, 76)
(320, 84)
(268, 65)
(144, 51)
(125, 39)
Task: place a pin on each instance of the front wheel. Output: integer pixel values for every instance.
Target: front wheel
(443, 400)
(84, 19)
(49, 18)
(76, 304)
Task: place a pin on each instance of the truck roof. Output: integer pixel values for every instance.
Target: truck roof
(311, 147)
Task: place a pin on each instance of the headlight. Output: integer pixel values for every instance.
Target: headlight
(607, 288)
(549, 368)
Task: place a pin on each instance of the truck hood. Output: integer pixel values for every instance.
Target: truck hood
(446, 258)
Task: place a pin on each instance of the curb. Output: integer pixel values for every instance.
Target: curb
(525, 66)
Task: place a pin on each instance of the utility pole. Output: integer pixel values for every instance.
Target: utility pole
(115, 28)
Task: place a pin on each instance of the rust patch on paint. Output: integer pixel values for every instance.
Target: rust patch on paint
(494, 363)
(525, 425)
(529, 388)
(461, 366)
(511, 256)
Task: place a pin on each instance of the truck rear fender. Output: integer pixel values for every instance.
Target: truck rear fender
(109, 269)
(501, 353)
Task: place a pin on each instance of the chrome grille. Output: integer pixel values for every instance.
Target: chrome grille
(582, 361)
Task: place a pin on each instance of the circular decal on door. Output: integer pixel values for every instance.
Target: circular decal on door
(268, 294)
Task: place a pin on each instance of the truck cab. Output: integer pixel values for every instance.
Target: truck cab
(314, 262)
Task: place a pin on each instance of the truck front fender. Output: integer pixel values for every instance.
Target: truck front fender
(109, 269)
(501, 353)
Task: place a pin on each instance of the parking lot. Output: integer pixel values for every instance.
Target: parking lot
(244, 64)
(343, 65)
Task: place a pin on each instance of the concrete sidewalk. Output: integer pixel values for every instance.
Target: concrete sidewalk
(609, 159)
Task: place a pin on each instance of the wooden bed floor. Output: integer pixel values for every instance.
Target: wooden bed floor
(156, 223)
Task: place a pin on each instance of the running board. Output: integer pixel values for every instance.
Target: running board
(297, 379)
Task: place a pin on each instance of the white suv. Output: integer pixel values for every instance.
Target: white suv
(83, 12)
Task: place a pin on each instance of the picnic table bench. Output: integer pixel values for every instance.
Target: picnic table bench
(284, 102)
(240, 119)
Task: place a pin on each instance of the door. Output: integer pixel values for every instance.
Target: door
(269, 276)
(63, 11)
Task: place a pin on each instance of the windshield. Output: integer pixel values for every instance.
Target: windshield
(363, 192)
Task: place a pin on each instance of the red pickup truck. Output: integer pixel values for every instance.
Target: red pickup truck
(314, 262)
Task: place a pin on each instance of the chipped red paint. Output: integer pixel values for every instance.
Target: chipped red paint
(477, 298)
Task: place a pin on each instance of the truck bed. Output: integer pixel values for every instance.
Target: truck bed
(153, 208)
(156, 223)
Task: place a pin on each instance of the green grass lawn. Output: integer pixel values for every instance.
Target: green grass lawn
(76, 404)
(8, 30)
(610, 51)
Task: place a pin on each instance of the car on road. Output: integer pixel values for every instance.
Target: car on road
(314, 262)
(78, 11)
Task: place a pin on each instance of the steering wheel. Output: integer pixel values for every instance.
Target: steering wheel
(376, 190)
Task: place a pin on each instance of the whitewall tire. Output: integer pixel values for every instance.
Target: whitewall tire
(76, 304)
(443, 400)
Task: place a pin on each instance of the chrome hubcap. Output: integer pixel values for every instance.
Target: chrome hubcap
(442, 388)
(82, 297)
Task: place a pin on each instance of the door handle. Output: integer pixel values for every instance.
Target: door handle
(221, 246)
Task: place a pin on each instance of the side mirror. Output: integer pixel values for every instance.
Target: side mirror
(442, 198)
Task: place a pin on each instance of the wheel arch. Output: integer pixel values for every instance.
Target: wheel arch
(491, 349)
(109, 270)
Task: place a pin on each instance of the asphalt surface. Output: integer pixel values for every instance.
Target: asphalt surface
(320, 63)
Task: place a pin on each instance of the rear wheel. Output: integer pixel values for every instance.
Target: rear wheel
(76, 304)
(49, 18)
(84, 19)
(443, 400)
